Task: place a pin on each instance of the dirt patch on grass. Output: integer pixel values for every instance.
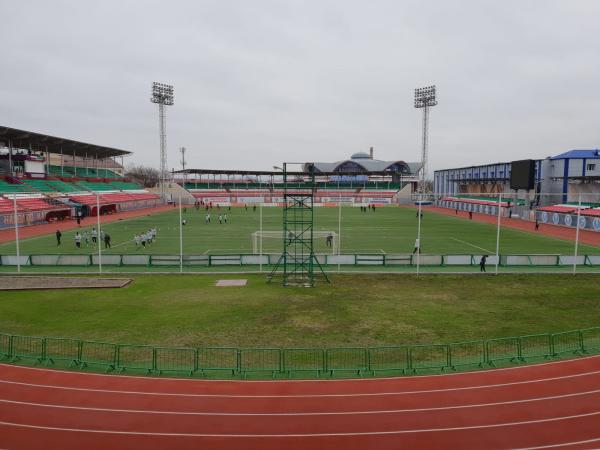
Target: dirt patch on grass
(10, 283)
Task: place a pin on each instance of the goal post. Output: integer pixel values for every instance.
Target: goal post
(276, 237)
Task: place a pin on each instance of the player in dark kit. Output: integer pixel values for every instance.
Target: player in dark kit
(482, 263)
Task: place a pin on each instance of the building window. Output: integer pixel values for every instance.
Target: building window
(590, 167)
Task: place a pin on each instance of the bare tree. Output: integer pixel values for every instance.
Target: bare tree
(146, 176)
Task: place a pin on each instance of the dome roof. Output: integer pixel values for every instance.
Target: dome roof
(361, 155)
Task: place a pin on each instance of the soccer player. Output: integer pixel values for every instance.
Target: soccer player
(482, 263)
(220, 219)
(94, 235)
(470, 215)
(417, 246)
(106, 240)
(207, 218)
(290, 237)
(77, 240)
(183, 222)
(225, 217)
(137, 240)
(537, 225)
(58, 236)
(86, 238)
(329, 240)
(143, 239)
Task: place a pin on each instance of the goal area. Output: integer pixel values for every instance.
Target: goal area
(271, 241)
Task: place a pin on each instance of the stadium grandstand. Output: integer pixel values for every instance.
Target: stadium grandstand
(49, 178)
(564, 189)
(358, 180)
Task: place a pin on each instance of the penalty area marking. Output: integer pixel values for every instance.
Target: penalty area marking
(473, 245)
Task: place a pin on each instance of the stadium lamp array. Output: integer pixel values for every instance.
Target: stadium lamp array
(425, 96)
(162, 94)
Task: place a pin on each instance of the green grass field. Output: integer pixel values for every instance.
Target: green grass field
(387, 230)
(353, 310)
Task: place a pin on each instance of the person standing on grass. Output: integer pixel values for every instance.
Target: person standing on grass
(470, 215)
(94, 235)
(225, 218)
(106, 240)
(417, 246)
(86, 238)
(220, 219)
(537, 224)
(77, 240)
(58, 236)
(482, 263)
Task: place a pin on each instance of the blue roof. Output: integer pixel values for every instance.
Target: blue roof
(579, 154)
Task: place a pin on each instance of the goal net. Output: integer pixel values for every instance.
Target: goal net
(272, 241)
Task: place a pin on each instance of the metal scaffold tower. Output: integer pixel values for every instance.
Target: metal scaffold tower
(298, 262)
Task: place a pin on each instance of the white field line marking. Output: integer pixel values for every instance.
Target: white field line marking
(206, 252)
(343, 380)
(333, 413)
(369, 394)
(564, 444)
(473, 245)
(381, 250)
(298, 435)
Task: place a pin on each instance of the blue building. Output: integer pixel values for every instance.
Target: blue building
(560, 178)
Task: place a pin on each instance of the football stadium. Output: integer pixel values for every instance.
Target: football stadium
(331, 293)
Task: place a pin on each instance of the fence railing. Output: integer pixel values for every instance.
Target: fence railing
(359, 259)
(231, 362)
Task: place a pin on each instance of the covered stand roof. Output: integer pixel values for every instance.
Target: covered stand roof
(267, 172)
(43, 142)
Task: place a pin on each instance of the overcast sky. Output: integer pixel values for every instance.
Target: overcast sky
(261, 82)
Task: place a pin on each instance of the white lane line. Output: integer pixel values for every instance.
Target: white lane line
(367, 394)
(298, 435)
(331, 413)
(564, 444)
(473, 245)
(481, 373)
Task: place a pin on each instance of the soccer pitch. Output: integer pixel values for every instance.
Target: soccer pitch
(385, 230)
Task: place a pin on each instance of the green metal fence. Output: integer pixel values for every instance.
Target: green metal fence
(231, 362)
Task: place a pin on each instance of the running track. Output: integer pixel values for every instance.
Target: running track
(552, 405)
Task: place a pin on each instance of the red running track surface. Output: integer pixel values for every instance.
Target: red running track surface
(552, 405)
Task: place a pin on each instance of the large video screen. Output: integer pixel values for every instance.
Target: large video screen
(522, 174)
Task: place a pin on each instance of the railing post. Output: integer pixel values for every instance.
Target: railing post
(44, 348)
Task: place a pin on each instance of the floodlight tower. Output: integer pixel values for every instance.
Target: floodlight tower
(425, 99)
(182, 151)
(162, 94)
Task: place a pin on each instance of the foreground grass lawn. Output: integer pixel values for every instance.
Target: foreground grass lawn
(354, 310)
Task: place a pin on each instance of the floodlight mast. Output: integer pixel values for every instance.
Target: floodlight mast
(182, 150)
(162, 94)
(424, 99)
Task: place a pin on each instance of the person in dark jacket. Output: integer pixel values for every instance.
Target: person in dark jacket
(482, 263)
